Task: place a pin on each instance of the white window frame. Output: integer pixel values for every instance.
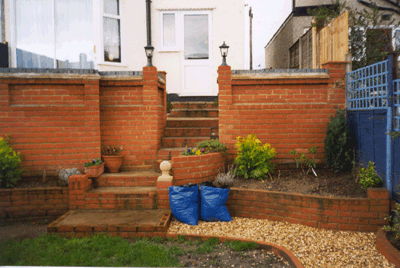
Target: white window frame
(175, 48)
(13, 37)
(100, 52)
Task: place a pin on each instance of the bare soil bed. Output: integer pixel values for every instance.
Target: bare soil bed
(38, 182)
(293, 181)
(391, 236)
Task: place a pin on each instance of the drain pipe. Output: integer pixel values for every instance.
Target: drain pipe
(148, 22)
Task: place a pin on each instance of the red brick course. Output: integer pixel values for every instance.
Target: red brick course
(196, 168)
(355, 214)
(53, 121)
(290, 113)
(23, 203)
(386, 248)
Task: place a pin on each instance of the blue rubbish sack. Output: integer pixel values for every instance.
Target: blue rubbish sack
(213, 204)
(184, 202)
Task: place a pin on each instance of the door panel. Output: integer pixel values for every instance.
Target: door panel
(196, 62)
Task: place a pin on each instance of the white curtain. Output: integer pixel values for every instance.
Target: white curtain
(55, 29)
(112, 40)
(1, 20)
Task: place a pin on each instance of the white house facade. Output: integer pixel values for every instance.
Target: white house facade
(110, 35)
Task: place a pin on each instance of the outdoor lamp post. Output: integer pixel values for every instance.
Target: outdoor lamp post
(224, 53)
(149, 53)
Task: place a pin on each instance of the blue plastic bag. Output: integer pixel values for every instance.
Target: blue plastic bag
(213, 204)
(184, 202)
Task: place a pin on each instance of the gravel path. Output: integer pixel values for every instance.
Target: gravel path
(312, 246)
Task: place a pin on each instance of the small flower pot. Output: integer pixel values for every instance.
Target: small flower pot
(94, 171)
(113, 162)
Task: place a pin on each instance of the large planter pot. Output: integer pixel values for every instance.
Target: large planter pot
(94, 171)
(113, 162)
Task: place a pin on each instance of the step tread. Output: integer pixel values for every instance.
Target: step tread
(195, 109)
(123, 190)
(173, 149)
(192, 118)
(193, 102)
(132, 174)
(188, 138)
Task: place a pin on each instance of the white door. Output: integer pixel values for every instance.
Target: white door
(196, 56)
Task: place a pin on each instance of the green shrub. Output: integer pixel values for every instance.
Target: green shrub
(369, 177)
(338, 143)
(212, 146)
(303, 161)
(10, 171)
(254, 159)
(394, 221)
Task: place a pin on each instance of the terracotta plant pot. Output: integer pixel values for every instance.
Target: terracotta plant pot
(113, 162)
(94, 171)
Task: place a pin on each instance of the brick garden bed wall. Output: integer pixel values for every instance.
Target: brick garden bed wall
(355, 214)
(18, 204)
(289, 111)
(133, 114)
(386, 248)
(196, 168)
(52, 119)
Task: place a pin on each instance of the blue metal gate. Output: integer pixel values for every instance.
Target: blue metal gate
(373, 113)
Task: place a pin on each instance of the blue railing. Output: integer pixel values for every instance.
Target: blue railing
(396, 105)
(367, 88)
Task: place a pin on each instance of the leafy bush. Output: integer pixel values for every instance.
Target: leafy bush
(254, 159)
(10, 171)
(369, 177)
(212, 146)
(338, 143)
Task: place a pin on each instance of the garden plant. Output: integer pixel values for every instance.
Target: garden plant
(10, 170)
(254, 158)
(303, 161)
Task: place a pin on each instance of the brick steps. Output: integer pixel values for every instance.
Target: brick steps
(187, 131)
(128, 178)
(123, 223)
(194, 113)
(177, 122)
(168, 142)
(194, 105)
(121, 198)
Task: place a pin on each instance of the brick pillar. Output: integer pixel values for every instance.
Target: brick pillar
(224, 102)
(78, 185)
(151, 103)
(337, 89)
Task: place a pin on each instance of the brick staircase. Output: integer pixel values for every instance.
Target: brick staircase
(188, 124)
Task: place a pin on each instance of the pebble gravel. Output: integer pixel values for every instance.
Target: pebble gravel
(314, 247)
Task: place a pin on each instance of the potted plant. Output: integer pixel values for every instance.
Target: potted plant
(112, 157)
(94, 168)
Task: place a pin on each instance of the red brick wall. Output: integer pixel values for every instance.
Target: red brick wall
(52, 120)
(290, 112)
(355, 214)
(196, 168)
(37, 202)
(133, 114)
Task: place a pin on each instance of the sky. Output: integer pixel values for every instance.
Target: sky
(268, 16)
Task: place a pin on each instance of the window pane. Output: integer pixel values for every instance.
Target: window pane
(111, 7)
(74, 34)
(34, 33)
(169, 30)
(112, 40)
(196, 36)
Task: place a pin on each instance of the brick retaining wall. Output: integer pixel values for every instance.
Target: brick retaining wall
(353, 214)
(196, 168)
(289, 110)
(18, 204)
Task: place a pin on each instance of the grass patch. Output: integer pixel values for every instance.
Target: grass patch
(241, 246)
(100, 250)
(208, 245)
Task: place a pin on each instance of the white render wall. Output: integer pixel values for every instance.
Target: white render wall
(227, 25)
